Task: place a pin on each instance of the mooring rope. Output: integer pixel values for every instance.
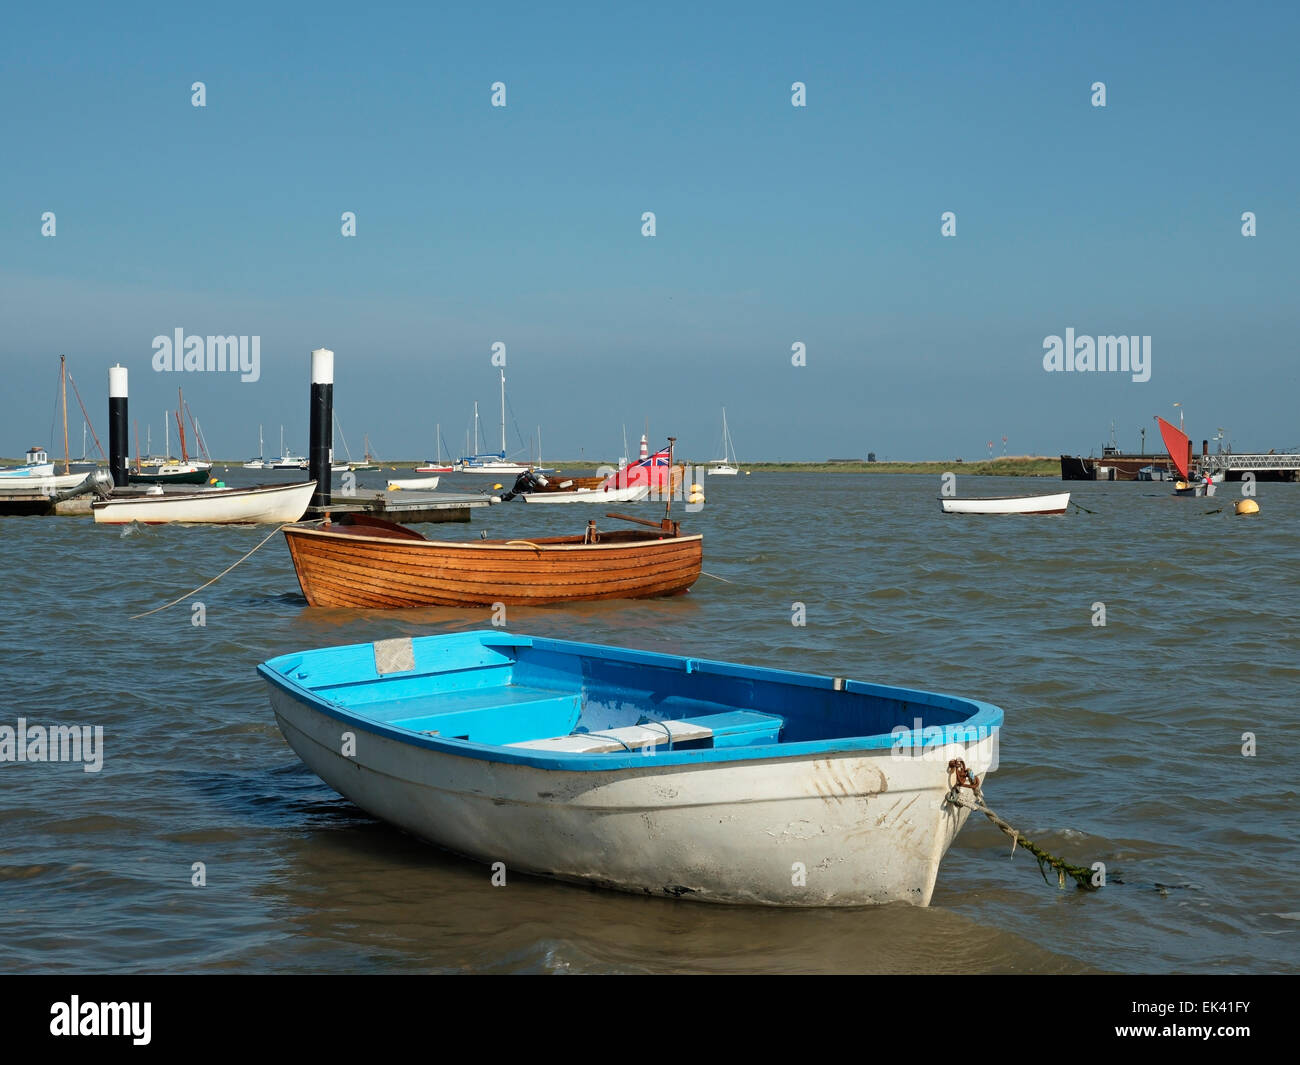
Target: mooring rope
(724, 580)
(1084, 509)
(214, 579)
(1082, 877)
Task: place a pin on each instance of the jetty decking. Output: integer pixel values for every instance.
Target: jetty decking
(406, 507)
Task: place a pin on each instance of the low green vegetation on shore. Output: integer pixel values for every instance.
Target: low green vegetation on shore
(1016, 466)
(1011, 466)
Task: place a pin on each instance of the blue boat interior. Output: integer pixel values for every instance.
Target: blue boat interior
(498, 689)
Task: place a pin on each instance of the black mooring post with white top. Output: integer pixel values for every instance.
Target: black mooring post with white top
(118, 444)
(321, 452)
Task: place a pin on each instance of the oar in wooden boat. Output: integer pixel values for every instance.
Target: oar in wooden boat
(672, 528)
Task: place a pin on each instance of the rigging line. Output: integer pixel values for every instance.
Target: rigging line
(514, 420)
(339, 426)
(54, 415)
(93, 435)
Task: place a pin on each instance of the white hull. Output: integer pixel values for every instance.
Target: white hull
(272, 505)
(417, 484)
(1198, 489)
(722, 471)
(863, 828)
(432, 468)
(494, 469)
(594, 495)
(39, 483)
(1053, 504)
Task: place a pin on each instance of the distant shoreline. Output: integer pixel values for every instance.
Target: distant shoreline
(1012, 466)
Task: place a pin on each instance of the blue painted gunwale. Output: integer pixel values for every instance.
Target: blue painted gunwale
(978, 719)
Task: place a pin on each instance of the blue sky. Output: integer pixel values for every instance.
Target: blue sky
(775, 224)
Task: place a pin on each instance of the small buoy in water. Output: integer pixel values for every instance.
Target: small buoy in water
(212, 481)
(219, 484)
(696, 488)
(696, 498)
(746, 473)
(1247, 506)
(496, 487)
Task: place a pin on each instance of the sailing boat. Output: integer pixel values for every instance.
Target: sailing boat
(36, 474)
(725, 466)
(168, 470)
(369, 461)
(85, 462)
(437, 465)
(1179, 447)
(286, 460)
(258, 463)
(493, 464)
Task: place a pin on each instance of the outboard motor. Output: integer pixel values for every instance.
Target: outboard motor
(528, 481)
(97, 482)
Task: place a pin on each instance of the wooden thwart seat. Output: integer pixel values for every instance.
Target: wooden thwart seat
(737, 728)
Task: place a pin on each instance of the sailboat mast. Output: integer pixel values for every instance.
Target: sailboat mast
(437, 431)
(503, 414)
(63, 389)
(180, 424)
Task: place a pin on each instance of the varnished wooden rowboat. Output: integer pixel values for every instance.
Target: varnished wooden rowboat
(365, 562)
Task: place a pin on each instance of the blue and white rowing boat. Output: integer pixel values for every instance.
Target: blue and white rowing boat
(652, 773)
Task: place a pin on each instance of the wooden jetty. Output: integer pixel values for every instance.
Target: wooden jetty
(405, 508)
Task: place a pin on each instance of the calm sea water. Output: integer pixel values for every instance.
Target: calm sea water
(1123, 743)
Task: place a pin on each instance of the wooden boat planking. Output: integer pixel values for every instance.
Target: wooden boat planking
(363, 564)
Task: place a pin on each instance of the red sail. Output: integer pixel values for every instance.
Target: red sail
(1177, 443)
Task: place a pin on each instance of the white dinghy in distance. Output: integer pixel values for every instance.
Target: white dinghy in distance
(272, 504)
(413, 484)
(630, 494)
(1053, 504)
(656, 774)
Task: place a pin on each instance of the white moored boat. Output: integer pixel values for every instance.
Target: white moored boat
(630, 494)
(265, 504)
(1053, 504)
(657, 774)
(725, 466)
(414, 484)
(36, 475)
